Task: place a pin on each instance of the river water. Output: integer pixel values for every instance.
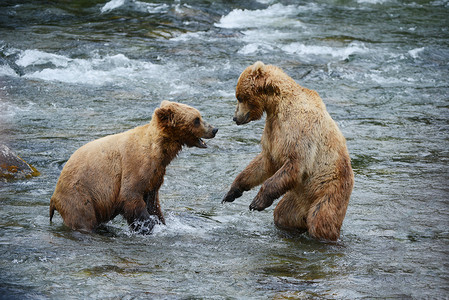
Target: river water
(73, 71)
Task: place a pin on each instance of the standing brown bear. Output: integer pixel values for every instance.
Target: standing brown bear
(121, 174)
(304, 155)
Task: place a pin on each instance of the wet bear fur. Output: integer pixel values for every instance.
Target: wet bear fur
(304, 156)
(121, 174)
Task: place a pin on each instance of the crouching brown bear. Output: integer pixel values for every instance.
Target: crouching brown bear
(121, 174)
(304, 155)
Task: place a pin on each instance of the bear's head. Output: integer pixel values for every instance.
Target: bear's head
(255, 85)
(183, 124)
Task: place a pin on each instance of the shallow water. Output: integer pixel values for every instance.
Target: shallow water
(74, 71)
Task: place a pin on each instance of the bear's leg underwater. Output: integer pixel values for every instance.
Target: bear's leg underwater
(290, 214)
(326, 214)
(144, 215)
(81, 216)
(322, 218)
(139, 220)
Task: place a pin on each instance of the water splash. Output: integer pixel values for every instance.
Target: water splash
(414, 53)
(276, 15)
(97, 70)
(111, 5)
(315, 50)
(133, 5)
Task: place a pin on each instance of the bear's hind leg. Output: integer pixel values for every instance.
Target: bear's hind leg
(290, 213)
(326, 214)
(81, 216)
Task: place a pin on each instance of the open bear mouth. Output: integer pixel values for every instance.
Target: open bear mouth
(200, 143)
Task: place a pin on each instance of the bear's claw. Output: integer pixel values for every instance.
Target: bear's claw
(255, 206)
(260, 203)
(232, 195)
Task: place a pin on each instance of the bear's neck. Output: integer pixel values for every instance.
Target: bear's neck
(164, 147)
(169, 149)
(274, 103)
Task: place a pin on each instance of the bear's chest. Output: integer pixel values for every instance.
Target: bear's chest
(273, 148)
(280, 140)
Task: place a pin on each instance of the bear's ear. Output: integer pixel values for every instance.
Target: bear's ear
(270, 86)
(264, 82)
(258, 69)
(166, 115)
(165, 103)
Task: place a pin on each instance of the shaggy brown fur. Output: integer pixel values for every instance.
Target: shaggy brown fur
(121, 174)
(304, 155)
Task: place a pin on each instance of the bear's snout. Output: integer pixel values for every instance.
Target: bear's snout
(241, 119)
(210, 132)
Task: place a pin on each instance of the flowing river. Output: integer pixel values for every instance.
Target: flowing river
(74, 71)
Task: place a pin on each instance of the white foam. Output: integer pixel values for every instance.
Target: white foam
(36, 57)
(276, 15)
(414, 53)
(263, 40)
(96, 71)
(177, 225)
(378, 77)
(188, 36)
(440, 3)
(255, 48)
(266, 38)
(265, 1)
(113, 4)
(372, 1)
(314, 50)
(388, 81)
(265, 32)
(151, 7)
(6, 70)
(135, 5)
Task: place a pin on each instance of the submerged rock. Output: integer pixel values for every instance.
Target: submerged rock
(13, 167)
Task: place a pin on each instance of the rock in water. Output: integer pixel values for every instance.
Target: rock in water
(13, 167)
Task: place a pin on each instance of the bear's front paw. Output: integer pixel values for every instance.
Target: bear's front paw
(145, 226)
(260, 203)
(232, 195)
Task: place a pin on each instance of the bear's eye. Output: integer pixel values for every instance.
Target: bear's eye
(239, 99)
(197, 122)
